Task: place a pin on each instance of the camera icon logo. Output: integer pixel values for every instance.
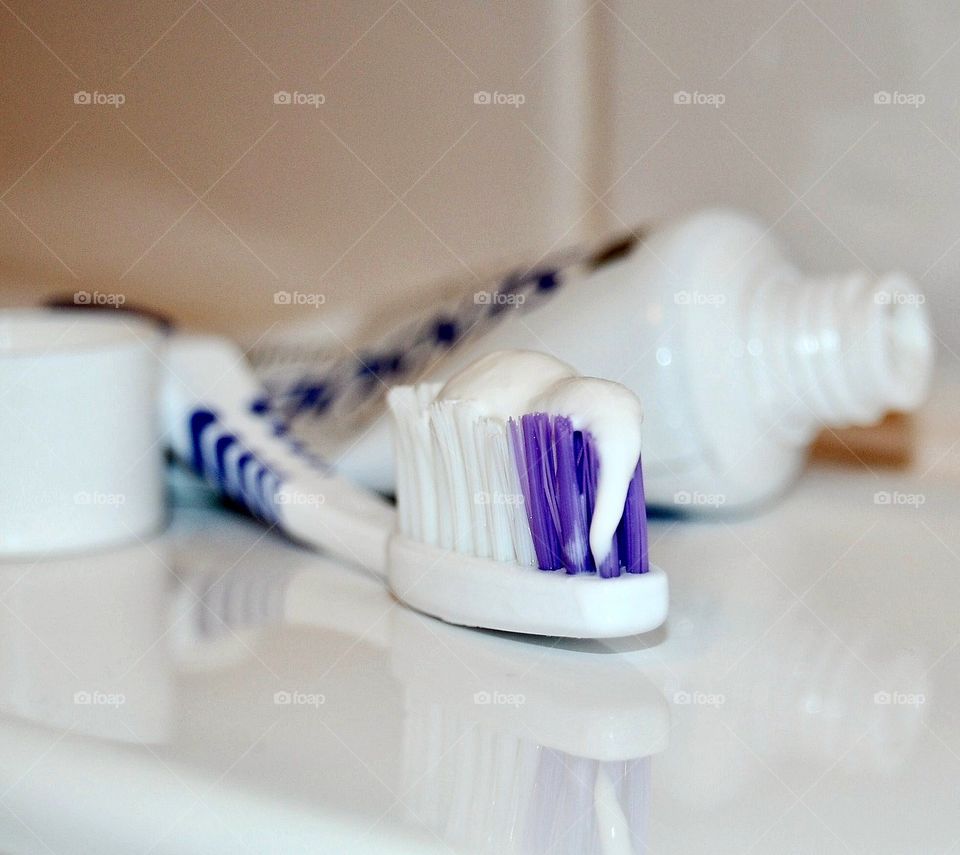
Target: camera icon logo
(82, 98)
(882, 97)
(282, 298)
(82, 298)
(481, 98)
(682, 97)
(281, 698)
(282, 97)
(481, 698)
(682, 498)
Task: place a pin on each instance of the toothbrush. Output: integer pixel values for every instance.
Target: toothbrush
(484, 500)
(520, 502)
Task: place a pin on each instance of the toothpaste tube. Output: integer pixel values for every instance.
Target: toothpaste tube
(740, 359)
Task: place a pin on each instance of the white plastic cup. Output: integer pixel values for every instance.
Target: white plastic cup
(81, 457)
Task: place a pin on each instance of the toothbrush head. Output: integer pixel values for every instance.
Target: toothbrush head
(499, 521)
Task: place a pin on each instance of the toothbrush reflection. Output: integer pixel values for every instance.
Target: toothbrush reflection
(508, 747)
(505, 745)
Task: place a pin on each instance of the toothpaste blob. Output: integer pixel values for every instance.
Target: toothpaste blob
(504, 384)
(511, 384)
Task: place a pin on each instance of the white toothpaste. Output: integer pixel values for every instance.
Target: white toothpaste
(510, 383)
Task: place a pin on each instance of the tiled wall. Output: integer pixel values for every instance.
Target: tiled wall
(201, 195)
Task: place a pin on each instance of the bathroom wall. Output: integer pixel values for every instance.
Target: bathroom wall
(203, 193)
(836, 122)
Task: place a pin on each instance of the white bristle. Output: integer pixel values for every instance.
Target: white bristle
(457, 482)
(485, 789)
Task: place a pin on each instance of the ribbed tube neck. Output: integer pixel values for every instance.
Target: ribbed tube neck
(836, 351)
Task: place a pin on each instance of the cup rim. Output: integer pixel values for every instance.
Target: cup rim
(57, 332)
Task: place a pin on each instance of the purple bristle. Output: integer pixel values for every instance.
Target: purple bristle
(632, 531)
(574, 522)
(540, 476)
(558, 469)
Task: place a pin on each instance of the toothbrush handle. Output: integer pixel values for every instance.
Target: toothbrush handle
(317, 382)
(207, 400)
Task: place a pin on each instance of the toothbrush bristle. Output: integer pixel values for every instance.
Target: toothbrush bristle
(558, 469)
(523, 491)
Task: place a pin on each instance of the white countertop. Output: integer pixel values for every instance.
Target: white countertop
(220, 690)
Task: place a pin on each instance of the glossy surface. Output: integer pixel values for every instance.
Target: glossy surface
(220, 690)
